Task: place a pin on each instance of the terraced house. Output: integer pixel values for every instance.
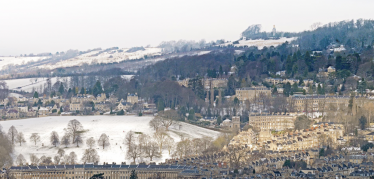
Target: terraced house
(85, 171)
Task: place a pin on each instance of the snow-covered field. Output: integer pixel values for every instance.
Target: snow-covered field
(106, 57)
(27, 84)
(260, 43)
(115, 127)
(4, 61)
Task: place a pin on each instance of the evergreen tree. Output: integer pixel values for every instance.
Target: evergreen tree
(61, 89)
(97, 89)
(220, 70)
(36, 95)
(83, 90)
(133, 175)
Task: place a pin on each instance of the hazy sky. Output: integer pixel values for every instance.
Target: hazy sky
(52, 25)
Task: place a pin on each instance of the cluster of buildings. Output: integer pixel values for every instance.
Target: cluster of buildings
(297, 140)
(15, 107)
(350, 162)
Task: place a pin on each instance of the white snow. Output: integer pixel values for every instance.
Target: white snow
(27, 84)
(4, 61)
(115, 127)
(106, 57)
(260, 43)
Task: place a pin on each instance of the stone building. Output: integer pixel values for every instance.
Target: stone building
(277, 122)
(132, 98)
(233, 124)
(85, 171)
(209, 83)
(251, 92)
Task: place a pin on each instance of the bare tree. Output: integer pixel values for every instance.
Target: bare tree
(66, 159)
(236, 155)
(46, 160)
(90, 156)
(151, 150)
(65, 140)
(12, 133)
(34, 159)
(78, 139)
(90, 142)
(54, 138)
(168, 118)
(57, 159)
(155, 123)
(160, 137)
(183, 148)
(20, 160)
(35, 137)
(206, 142)
(61, 152)
(196, 146)
(169, 144)
(134, 152)
(73, 158)
(129, 139)
(6, 150)
(4, 91)
(74, 129)
(103, 141)
(20, 138)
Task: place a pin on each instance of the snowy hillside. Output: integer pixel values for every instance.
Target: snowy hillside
(4, 61)
(27, 84)
(260, 43)
(111, 56)
(115, 127)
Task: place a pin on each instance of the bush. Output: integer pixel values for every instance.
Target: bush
(54, 110)
(140, 114)
(120, 113)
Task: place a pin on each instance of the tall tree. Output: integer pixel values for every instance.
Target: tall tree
(90, 156)
(74, 130)
(103, 141)
(35, 137)
(55, 140)
(20, 138)
(97, 89)
(133, 175)
(12, 133)
(90, 142)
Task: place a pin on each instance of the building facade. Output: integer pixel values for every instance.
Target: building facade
(250, 93)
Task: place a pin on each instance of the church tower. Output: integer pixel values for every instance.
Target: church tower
(274, 31)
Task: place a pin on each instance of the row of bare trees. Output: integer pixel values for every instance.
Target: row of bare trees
(142, 146)
(89, 156)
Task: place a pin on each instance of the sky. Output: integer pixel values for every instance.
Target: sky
(40, 26)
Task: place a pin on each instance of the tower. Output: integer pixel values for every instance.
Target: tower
(236, 122)
(274, 31)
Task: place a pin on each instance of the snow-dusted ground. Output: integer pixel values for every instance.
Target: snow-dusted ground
(4, 61)
(260, 43)
(106, 57)
(115, 127)
(27, 84)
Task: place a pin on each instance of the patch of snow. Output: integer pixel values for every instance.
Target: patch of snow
(115, 127)
(106, 57)
(5, 61)
(260, 43)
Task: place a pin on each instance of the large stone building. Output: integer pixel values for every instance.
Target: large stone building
(313, 103)
(291, 141)
(86, 171)
(251, 92)
(132, 98)
(214, 83)
(275, 122)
